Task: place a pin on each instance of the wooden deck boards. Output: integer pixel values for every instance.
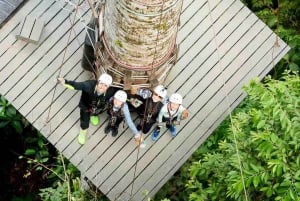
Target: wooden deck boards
(215, 61)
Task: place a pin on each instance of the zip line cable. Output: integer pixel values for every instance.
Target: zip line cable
(227, 99)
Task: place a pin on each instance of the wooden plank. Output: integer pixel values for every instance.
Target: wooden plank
(189, 11)
(37, 30)
(199, 39)
(30, 30)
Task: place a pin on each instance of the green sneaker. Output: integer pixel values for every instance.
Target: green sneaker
(81, 136)
(94, 120)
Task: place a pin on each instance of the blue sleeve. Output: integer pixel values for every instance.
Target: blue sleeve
(129, 120)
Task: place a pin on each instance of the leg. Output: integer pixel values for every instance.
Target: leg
(114, 129)
(84, 125)
(147, 127)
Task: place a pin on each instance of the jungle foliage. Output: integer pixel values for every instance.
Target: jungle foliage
(258, 158)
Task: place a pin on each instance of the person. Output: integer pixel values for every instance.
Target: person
(147, 104)
(93, 101)
(170, 114)
(117, 111)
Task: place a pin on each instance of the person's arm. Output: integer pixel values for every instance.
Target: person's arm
(83, 86)
(179, 113)
(161, 114)
(129, 120)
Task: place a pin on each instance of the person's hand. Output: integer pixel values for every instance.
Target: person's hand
(61, 80)
(185, 114)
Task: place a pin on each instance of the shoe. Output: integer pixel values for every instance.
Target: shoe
(155, 135)
(173, 131)
(114, 132)
(139, 127)
(81, 136)
(107, 129)
(94, 120)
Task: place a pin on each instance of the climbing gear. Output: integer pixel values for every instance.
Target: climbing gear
(161, 91)
(94, 120)
(82, 136)
(155, 135)
(173, 130)
(121, 96)
(176, 98)
(105, 79)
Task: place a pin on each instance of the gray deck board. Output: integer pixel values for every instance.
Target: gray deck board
(7, 7)
(242, 43)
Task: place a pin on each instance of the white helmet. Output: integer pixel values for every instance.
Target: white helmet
(105, 79)
(161, 91)
(176, 98)
(121, 96)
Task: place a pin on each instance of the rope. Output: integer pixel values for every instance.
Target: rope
(227, 99)
(60, 67)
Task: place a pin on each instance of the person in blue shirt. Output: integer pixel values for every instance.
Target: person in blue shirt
(170, 115)
(118, 111)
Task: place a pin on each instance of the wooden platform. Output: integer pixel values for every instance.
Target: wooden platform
(243, 45)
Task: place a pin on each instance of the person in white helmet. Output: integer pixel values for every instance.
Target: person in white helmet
(147, 104)
(117, 111)
(170, 114)
(93, 101)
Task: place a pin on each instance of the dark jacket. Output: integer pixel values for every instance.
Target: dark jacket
(149, 110)
(89, 98)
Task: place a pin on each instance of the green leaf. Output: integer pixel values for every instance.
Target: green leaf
(294, 67)
(272, 21)
(256, 181)
(17, 126)
(44, 160)
(291, 192)
(11, 111)
(3, 124)
(261, 124)
(30, 152)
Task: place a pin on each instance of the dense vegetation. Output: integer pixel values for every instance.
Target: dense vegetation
(251, 156)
